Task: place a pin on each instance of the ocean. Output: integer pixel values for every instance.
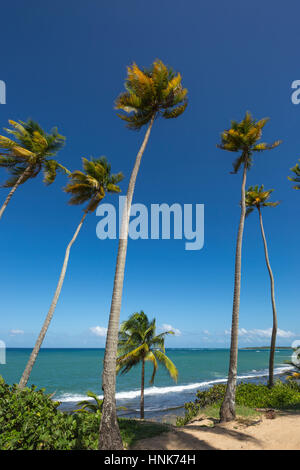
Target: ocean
(70, 373)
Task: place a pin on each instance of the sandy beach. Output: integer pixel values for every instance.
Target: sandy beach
(268, 432)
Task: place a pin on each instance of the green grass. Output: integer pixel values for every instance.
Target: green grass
(133, 430)
(213, 411)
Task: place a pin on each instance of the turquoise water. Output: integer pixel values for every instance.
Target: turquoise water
(70, 373)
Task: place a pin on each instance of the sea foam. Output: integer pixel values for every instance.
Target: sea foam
(132, 394)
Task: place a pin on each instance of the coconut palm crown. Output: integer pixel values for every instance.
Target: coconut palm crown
(31, 147)
(91, 184)
(257, 197)
(151, 92)
(296, 179)
(243, 137)
(138, 341)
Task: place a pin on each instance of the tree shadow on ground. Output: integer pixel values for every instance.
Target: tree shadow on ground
(194, 437)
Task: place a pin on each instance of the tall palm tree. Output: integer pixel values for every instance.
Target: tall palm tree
(88, 187)
(241, 137)
(257, 198)
(296, 179)
(150, 93)
(138, 343)
(29, 153)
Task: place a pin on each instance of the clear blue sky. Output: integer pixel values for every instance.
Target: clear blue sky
(64, 64)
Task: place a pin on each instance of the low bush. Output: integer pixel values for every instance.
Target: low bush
(30, 420)
(213, 395)
(281, 396)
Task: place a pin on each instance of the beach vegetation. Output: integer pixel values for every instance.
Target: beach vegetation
(31, 420)
(249, 396)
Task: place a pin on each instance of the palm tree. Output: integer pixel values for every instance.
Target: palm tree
(257, 198)
(88, 187)
(28, 154)
(96, 407)
(138, 343)
(88, 406)
(241, 137)
(150, 93)
(296, 179)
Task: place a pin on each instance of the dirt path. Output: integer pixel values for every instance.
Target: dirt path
(281, 433)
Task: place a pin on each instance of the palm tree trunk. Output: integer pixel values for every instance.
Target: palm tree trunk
(110, 437)
(274, 329)
(142, 388)
(35, 351)
(14, 188)
(227, 411)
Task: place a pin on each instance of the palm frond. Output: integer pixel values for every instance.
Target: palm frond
(16, 172)
(150, 357)
(50, 169)
(175, 112)
(237, 163)
(6, 143)
(249, 211)
(167, 363)
(135, 354)
(9, 162)
(295, 179)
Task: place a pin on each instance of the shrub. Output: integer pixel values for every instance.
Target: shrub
(213, 395)
(30, 420)
(191, 410)
(281, 396)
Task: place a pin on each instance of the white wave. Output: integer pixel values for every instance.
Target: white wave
(132, 394)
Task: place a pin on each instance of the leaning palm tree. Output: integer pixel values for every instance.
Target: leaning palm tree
(257, 198)
(296, 179)
(138, 343)
(150, 93)
(241, 137)
(30, 152)
(88, 187)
